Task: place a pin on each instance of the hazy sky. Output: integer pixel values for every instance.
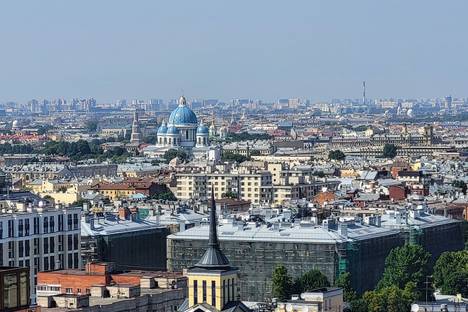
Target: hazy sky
(110, 49)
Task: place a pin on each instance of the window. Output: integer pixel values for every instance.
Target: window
(26, 227)
(52, 244)
(46, 245)
(228, 290)
(46, 263)
(20, 249)
(60, 243)
(36, 265)
(52, 224)
(70, 242)
(75, 260)
(224, 291)
(36, 225)
(60, 262)
(70, 261)
(233, 293)
(69, 290)
(195, 292)
(60, 223)
(213, 293)
(26, 248)
(52, 263)
(45, 228)
(36, 246)
(11, 228)
(75, 241)
(75, 221)
(20, 228)
(204, 290)
(69, 222)
(1, 229)
(11, 249)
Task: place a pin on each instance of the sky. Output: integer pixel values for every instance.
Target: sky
(261, 49)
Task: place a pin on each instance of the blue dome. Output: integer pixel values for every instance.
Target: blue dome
(172, 130)
(182, 115)
(202, 129)
(162, 129)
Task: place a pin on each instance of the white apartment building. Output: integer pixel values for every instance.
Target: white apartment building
(39, 237)
(254, 187)
(259, 186)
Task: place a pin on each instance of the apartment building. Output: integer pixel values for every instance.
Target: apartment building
(39, 237)
(277, 184)
(253, 186)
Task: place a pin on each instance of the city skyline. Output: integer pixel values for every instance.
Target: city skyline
(255, 50)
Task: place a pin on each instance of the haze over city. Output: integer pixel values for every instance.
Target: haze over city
(233, 156)
(251, 49)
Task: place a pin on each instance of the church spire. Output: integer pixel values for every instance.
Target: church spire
(213, 241)
(213, 258)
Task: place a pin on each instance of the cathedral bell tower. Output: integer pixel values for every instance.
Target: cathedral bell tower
(213, 280)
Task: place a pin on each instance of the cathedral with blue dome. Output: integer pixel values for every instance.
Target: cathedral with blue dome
(182, 130)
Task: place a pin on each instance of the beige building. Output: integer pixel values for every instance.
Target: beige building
(277, 184)
(320, 300)
(251, 186)
(62, 191)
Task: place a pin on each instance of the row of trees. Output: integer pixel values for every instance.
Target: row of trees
(389, 151)
(8, 148)
(284, 285)
(245, 136)
(406, 279)
(82, 149)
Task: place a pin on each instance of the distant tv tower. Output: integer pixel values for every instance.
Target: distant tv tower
(364, 92)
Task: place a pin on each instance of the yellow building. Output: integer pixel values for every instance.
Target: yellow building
(213, 282)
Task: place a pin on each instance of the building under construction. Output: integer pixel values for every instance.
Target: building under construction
(332, 247)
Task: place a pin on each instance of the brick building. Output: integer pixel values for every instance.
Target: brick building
(129, 187)
(79, 282)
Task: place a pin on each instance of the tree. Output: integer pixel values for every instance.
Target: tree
(390, 299)
(230, 194)
(361, 128)
(336, 155)
(173, 153)
(406, 264)
(344, 281)
(245, 136)
(229, 156)
(281, 283)
(255, 153)
(319, 174)
(151, 139)
(311, 280)
(167, 195)
(389, 151)
(91, 125)
(461, 185)
(451, 273)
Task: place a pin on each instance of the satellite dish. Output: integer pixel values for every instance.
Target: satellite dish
(415, 307)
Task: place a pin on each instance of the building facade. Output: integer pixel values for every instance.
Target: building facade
(41, 238)
(332, 248)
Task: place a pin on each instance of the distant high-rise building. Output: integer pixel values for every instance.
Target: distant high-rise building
(448, 102)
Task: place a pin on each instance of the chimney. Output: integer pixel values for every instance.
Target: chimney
(124, 213)
(343, 229)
